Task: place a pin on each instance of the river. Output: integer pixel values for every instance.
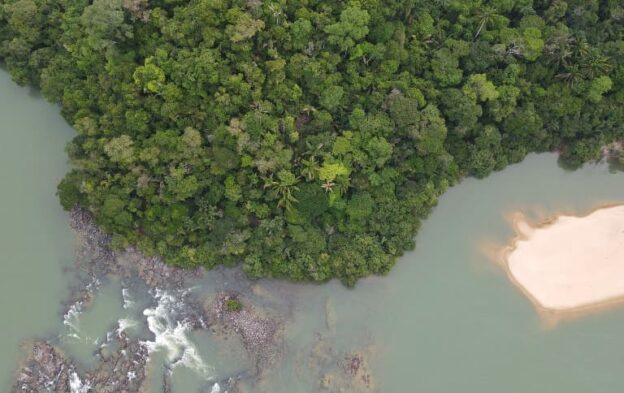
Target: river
(35, 240)
(446, 319)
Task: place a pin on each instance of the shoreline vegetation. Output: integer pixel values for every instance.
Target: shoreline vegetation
(306, 140)
(568, 265)
(257, 324)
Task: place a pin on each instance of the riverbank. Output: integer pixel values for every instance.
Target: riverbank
(570, 263)
(164, 306)
(174, 310)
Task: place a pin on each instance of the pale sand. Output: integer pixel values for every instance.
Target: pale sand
(571, 262)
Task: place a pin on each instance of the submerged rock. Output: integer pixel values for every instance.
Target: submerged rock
(355, 366)
(339, 371)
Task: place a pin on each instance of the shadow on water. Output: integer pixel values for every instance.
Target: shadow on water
(615, 165)
(33, 91)
(568, 166)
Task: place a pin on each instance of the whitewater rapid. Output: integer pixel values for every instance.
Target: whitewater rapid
(170, 333)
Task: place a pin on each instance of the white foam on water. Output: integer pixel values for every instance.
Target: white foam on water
(170, 334)
(76, 385)
(109, 338)
(216, 388)
(70, 319)
(124, 324)
(93, 285)
(127, 299)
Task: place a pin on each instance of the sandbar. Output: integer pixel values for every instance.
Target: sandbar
(571, 262)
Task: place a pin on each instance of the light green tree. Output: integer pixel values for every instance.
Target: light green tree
(353, 26)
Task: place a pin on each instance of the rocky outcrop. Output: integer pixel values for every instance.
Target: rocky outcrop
(47, 369)
(122, 370)
(96, 260)
(259, 331)
(257, 326)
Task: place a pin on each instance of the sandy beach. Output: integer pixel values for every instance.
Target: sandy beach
(571, 262)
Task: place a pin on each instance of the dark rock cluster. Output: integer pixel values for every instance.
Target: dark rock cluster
(259, 332)
(48, 370)
(45, 369)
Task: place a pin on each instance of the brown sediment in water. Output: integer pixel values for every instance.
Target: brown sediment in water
(339, 370)
(559, 299)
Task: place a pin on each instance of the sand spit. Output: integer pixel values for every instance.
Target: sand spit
(570, 263)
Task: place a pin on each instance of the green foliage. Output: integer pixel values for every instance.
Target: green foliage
(331, 97)
(445, 67)
(352, 27)
(244, 27)
(330, 171)
(103, 22)
(598, 87)
(120, 149)
(307, 139)
(532, 43)
(232, 305)
(149, 77)
(480, 89)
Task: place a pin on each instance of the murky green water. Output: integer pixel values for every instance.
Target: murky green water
(445, 320)
(35, 241)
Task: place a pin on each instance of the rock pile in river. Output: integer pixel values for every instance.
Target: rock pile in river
(259, 331)
(47, 369)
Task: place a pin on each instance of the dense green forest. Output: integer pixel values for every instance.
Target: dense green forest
(306, 139)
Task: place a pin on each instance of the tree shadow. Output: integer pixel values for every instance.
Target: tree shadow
(615, 165)
(567, 165)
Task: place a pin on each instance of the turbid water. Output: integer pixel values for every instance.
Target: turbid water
(35, 241)
(446, 319)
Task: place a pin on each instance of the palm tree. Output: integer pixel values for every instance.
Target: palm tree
(559, 49)
(580, 48)
(571, 76)
(328, 186)
(485, 17)
(309, 168)
(284, 187)
(595, 64)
